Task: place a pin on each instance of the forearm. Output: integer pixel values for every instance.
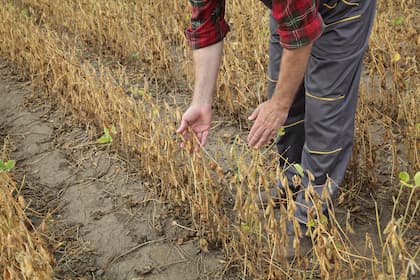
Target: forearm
(293, 66)
(206, 66)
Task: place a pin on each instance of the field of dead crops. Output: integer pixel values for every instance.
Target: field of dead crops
(122, 70)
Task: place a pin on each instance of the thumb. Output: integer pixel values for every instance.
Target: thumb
(182, 127)
(254, 114)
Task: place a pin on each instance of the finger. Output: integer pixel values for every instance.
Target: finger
(254, 114)
(185, 138)
(203, 139)
(264, 138)
(252, 131)
(257, 124)
(274, 136)
(256, 136)
(197, 148)
(197, 143)
(183, 127)
(184, 135)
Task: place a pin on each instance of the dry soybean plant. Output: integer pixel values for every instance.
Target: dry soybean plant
(135, 32)
(24, 254)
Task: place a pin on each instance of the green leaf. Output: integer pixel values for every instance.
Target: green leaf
(140, 91)
(104, 139)
(245, 227)
(417, 179)
(311, 223)
(24, 12)
(404, 176)
(324, 220)
(281, 131)
(339, 245)
(264, 32)
(299, 169)
(399, 21)
(135, 55)
(9, 165)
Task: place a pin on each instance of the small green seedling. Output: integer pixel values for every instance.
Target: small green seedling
(399, 21)
(405, 179)
(312, 223)
(135, 55)
(24, 12)
(140, 92)
(245, 227)
(404, 176)
(106, 137)
(265, 32)
(417, 179)
(281, 131)
(7, 166)
(299, 169)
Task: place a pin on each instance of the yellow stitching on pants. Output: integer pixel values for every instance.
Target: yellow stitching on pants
(271, 80)
(293, 124)
(325, 98)
(350, 3)
(324, 153)
(343, 20)
(330, 7)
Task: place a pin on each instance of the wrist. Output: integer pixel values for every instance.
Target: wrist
(282, 101)
(201, 105)
(202, 99)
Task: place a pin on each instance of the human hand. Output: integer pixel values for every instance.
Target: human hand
(269, 117)
(198, 119)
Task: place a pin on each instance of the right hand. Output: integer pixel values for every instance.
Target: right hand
(198, 119)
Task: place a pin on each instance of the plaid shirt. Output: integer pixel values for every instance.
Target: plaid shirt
(299, 22)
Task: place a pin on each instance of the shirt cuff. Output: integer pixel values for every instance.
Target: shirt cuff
(298, 38)
(205, 36)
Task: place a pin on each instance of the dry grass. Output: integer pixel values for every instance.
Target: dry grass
(23, 254)
(46, 39)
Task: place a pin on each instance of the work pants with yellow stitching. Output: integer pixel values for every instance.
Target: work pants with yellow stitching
(319, 130)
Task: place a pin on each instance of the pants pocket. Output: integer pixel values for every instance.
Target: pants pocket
(329, 5)
(353, 3)
(337, 11)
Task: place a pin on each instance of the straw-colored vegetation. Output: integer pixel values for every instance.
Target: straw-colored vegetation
(65, 47)
(23, 254)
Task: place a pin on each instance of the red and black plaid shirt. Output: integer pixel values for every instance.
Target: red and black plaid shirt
(299, 22)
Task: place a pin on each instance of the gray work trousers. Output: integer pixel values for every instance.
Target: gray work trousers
(319, 130)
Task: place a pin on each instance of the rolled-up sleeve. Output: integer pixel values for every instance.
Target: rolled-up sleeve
(208, 25)
(299, 22)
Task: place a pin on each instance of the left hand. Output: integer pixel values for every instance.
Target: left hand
(269, 117)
